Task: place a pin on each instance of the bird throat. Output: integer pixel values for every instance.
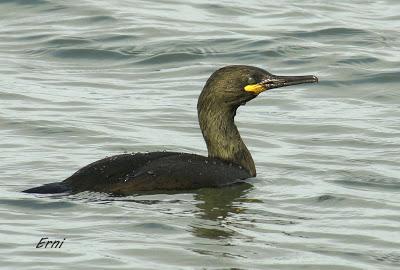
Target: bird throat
(222, 137)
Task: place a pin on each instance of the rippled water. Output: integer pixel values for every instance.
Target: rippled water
(80, 80)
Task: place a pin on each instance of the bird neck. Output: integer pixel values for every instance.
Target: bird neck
(222, 136)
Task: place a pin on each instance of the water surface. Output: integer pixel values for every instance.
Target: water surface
(81, 80)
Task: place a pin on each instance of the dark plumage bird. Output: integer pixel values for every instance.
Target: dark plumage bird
(228, 159)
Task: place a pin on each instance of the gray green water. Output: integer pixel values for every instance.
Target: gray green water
(80, 80)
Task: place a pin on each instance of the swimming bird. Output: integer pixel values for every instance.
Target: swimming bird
(228, 160)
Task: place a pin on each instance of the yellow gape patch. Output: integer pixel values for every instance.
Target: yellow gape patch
(255, 88)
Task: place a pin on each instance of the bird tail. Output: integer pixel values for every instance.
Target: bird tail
(57, 187)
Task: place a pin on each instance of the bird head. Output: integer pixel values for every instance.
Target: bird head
(238, 84)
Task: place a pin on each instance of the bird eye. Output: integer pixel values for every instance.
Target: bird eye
(251, 80)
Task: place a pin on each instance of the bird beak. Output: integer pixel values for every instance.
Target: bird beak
(274, 81)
